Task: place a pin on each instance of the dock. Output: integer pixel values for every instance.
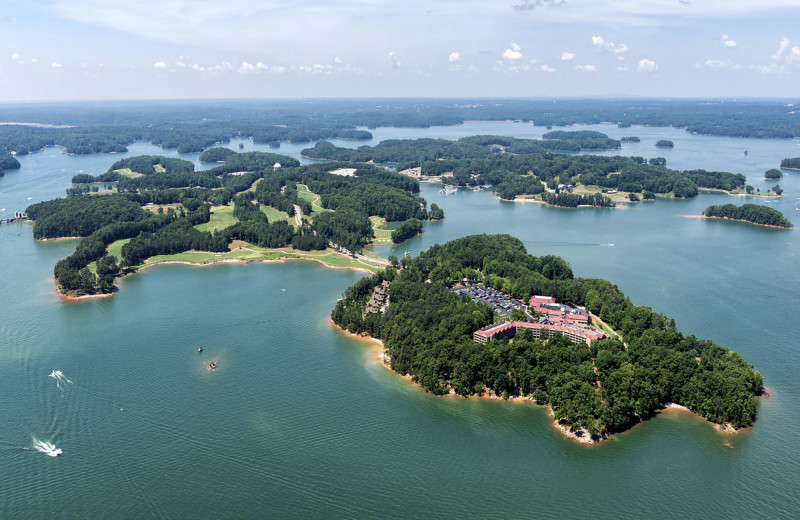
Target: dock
(18, 215)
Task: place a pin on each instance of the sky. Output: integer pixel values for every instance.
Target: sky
(185, 49)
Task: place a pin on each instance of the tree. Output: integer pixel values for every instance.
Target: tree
(749, 189)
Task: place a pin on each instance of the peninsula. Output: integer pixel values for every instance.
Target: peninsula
(480, 316)
(251, 208)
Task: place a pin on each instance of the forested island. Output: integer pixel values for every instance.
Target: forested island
(163, 207)
(524, 167)
(752, 213)
(792, 163)
(593, 390)
(772, 174)
(665, 143)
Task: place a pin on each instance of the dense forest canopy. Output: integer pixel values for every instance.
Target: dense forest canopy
(753, 213)
(599, 389)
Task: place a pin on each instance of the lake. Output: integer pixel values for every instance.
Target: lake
(301, 420)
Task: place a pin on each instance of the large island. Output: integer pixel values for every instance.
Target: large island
(604, 367)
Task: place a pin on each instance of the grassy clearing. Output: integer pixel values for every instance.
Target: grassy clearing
(126, 172)
(621, 196)
(153, 208)
(382, 236)
(221, 218)
(242, 251)
(273, 215)
(313, 198)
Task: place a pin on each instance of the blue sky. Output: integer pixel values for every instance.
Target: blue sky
(120, 49)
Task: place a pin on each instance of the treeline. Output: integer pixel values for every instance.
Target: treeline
(792, 163)
(753, 213)
(305, 135)
(664, 143)
(215, 155)
(407, 229)
(81, 216)
(773, 173)
(146, 164)
(571, 200)
(608, 387)
(482, 160)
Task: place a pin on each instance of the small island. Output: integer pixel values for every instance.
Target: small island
(773, 174)
(479, 316)
(751, 213)
(792, 163)
(665, 143)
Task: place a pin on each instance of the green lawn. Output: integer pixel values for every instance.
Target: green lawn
(221, 218)
(249, 252)
(273, 215)
(381, 235)
(313, 198)
(621, 196)
(126, 172)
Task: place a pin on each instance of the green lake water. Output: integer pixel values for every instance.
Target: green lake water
(300, 421)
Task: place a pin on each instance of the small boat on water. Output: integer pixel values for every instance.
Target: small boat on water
(212, 366)
(199, 349)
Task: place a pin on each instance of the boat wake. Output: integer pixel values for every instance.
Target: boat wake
(46, 447)
(61, 379)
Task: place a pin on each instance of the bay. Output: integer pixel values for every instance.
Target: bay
(300, 420)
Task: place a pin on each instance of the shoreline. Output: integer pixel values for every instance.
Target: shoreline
(581, 436)
(72, 298)
(731, 194)
(738, 220)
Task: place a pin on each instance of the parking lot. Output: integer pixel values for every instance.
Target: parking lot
(502, 303)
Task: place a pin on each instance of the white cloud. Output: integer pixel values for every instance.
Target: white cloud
(727, 42)
(545, 68)
(646, 65)
(454, 57)
(794, 55)
(159, 65)
(337, 60)
(198, 67)
(620, 68)
(34, 60)
(586, 68)
(513, 52)
(768, 69)
(566, 56)
(721, 64)
(393, 61)
(180, 64)
(15, 56)
(785, 42)
(56, 65)
(603, 45)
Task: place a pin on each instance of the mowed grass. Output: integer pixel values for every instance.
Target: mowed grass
(126, 172)
(313, 198)
(221, 218)
(244, 252)
(381, 234)
(621, 196)
(273, 215)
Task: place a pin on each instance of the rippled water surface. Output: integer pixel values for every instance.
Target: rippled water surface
(299, 420)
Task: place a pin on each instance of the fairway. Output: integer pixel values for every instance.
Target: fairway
(221, 218)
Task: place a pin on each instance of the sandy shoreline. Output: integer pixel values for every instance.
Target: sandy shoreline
(737, 220)
(70, 298)
(580, 436)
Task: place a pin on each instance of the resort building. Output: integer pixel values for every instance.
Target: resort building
(557, 313)
(508, 329)
(379, 299)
